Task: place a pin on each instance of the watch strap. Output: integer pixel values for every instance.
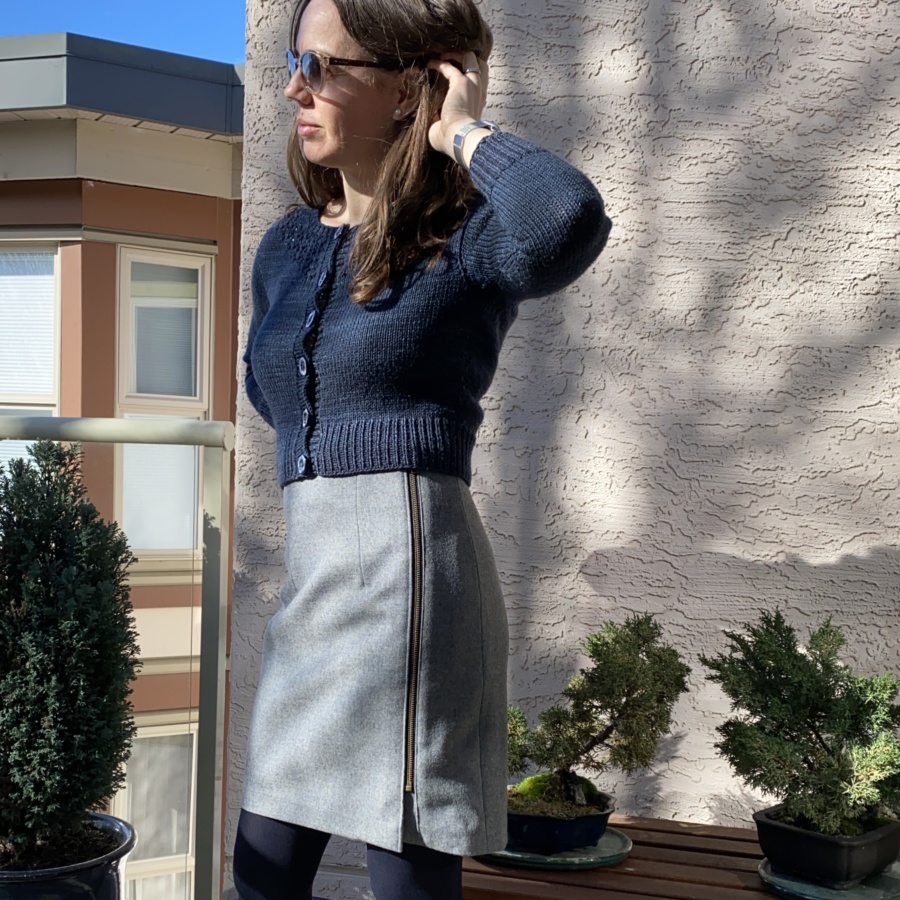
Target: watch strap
(460, 137)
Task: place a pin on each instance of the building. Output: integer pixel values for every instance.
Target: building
(119, 250)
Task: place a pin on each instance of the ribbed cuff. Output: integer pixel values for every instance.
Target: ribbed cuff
(495, 155)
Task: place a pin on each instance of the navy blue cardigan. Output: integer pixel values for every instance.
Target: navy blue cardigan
(396, 383)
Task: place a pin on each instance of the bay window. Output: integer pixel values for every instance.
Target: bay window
(29, 368)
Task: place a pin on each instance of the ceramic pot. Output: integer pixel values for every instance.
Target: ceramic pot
(97, 879)
(548, 835)
(835, 861)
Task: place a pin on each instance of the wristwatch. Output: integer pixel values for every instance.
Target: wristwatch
(460, 137)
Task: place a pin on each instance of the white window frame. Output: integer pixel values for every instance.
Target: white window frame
(175, 566)
(164, 865)
(203, 263)
(21, 402)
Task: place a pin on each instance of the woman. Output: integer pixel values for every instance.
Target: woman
(379, 308)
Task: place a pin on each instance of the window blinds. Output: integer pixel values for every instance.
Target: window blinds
(27, 323)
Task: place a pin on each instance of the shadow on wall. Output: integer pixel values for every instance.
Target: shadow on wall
(691, 600)
(692, 595)
(725, 376)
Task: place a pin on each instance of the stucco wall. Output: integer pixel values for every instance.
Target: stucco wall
(706, 424)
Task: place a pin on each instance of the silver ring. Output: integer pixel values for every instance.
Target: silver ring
(471, 71)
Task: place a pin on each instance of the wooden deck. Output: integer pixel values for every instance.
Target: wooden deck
(670, 861)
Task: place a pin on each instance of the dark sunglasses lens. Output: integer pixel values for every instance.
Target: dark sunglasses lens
(311, 68)
(291, 63)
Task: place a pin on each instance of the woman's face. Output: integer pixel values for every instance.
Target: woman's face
(349, 125)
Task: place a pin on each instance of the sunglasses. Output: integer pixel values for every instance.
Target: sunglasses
(315, 67)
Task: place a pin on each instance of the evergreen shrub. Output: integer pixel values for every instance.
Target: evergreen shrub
(68, 653)
(819, 739)
(617, 710)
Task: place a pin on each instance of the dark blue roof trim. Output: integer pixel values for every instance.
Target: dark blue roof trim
(56, 70)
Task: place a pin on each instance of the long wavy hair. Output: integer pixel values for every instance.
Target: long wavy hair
(422, 195)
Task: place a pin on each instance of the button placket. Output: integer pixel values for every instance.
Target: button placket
(311, 323)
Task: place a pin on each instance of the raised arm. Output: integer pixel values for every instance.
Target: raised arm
(543, 222)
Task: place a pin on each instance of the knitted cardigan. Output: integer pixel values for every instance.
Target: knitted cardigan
(396, 384)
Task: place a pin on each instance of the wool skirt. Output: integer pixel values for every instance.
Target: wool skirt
(381, 708)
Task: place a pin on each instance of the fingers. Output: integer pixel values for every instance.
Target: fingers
(466, 76)
(465, 63)
(485, 75)
(470, 64)
(449, 68)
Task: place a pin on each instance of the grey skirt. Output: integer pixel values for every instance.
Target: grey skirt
(381, 708)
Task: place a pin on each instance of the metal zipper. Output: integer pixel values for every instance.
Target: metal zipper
(415, 636)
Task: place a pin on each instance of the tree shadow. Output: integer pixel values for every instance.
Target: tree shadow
(716, 397)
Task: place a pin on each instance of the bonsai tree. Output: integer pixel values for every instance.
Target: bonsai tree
(616, 712)
(820, 739)
(68, 653)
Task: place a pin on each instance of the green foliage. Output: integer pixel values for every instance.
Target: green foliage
(618, 708)
(517, 745)
(818, 738)
(68, 650)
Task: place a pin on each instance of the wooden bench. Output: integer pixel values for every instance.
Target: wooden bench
(670, 860)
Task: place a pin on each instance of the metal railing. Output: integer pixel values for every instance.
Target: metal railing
(217, 441)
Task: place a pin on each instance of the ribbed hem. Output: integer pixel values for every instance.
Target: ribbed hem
(384, 445)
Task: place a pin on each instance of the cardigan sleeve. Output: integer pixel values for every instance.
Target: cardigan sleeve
(542, 222)
(260, 307)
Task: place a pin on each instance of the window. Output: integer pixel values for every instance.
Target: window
(28, 336)
(160, 491)
(164, 336)
(158, 800)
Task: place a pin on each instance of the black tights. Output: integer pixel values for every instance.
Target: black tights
(278, 861)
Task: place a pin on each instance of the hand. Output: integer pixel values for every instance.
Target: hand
(466, 96)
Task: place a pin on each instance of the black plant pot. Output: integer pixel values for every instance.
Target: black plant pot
(835, 861)
(97, 879)
(548, 835)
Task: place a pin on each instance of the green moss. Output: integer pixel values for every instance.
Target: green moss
(539, 795)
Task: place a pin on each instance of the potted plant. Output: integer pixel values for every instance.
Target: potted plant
(819, 739)
(616, 712)
(68, 654)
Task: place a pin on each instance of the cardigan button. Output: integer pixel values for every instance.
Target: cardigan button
(305, 417)
(302, 365)
(310, 318)
(302, 463)
(322, 278)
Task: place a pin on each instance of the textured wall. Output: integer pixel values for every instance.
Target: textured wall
(706, 424)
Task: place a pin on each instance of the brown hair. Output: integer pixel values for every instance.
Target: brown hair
(422, 195)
